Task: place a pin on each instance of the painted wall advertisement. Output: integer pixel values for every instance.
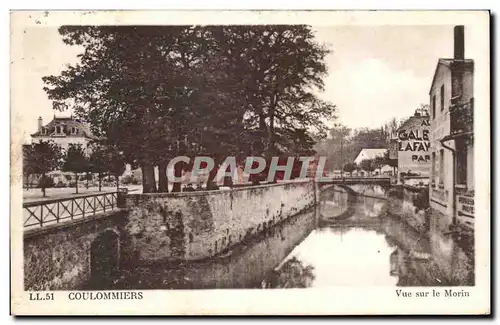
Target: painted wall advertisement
(414, 146)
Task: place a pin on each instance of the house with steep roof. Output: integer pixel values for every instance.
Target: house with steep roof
(64, 131)
(369, 153)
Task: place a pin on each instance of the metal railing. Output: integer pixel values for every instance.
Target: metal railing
(47, 212)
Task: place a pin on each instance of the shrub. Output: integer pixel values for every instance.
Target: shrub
(421, 200)
(129, 179)
(45, 182)
(396, 192)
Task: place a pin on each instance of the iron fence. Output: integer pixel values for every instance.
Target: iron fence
(46, 212)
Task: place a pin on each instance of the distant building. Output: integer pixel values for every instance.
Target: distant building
(369, 153)
(63, 131)
(452, 147)
(387, 170)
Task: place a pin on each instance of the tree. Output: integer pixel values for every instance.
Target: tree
(335, 147)
(349, 168)
(97, 162)
(378, 162)
(41, 158)
(286, 66)
(75, 161)
(115, 162)
(391, 162)
(159, 92)
(28, 167)
(367, 165)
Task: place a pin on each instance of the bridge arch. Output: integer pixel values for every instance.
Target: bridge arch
(354, 193)
(327, 214)
(104, 257)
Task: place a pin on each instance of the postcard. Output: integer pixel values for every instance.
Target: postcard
(250, 163)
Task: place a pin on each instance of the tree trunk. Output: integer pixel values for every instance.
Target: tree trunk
(270, 136)
(43, 186)
(177, 173)
(270, 129)
(210, 180)
(76, 182)
(117, 177)
(148, 178)
(162, 178)
(262, 121)
(228, 181)
(211, 176)
(87, 176)
(100, 181)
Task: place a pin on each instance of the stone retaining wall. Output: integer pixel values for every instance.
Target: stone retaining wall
(198, 225)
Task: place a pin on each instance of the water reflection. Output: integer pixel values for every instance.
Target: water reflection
(245, 266)
(364, 245)
(345, 257)
(293, 273)
(344, 241)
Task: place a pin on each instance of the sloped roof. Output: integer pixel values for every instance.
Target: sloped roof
(67, 123)
(410, 120)
(448, 63)
(371, 153)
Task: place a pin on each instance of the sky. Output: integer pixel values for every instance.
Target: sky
(374, 72)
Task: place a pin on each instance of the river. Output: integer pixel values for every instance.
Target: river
(340, 242)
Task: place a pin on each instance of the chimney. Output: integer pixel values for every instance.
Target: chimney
(458, 42)
(40, 123)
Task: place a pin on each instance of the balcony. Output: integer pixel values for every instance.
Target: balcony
(462, 118)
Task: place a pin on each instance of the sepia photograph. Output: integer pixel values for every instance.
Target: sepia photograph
(265, 157)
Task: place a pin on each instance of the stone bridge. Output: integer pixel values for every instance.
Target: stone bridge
(396, 200)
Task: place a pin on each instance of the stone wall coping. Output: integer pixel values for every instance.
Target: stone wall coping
(410, 187)
(215, 192)
(414, 188)
(28, 233)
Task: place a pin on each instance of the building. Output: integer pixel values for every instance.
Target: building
(413, 148)
(369, 153)
(387, 170)
(63, 131)
(452, 148)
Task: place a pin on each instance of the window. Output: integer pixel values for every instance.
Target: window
(441, 166)
(58, 130)
(73, 130)
(433, 107)
(442, 97)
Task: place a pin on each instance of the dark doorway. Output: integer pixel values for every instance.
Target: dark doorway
(105, 253)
